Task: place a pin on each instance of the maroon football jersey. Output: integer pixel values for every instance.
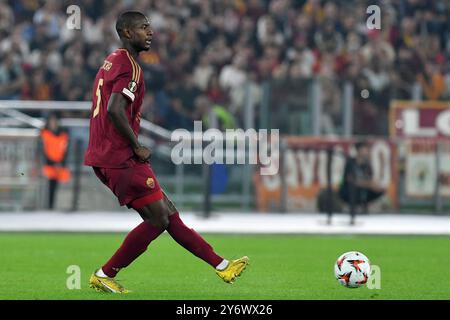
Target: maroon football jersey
(107, 147)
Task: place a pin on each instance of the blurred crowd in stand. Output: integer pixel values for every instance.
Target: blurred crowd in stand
(210, 54)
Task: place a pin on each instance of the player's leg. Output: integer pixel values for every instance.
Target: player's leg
(193, 242)
(159, 216)
(137, 240)
(134, 244)
(188, 238)
(53, 186)
(370, 197)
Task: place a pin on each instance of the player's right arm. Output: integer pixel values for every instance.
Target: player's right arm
(116, 112)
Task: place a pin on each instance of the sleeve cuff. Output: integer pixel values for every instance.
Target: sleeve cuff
(128, 94)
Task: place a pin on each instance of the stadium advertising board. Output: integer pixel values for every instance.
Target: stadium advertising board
(423, 172)
(419, 119)
(423, 125)
(305, 172)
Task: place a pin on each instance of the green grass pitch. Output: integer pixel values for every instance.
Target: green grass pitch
(33, 266)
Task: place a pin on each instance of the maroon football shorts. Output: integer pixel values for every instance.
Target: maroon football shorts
(134, 186)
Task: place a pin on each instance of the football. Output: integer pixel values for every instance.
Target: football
(352, 269)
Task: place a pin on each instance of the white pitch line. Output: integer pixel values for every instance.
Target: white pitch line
(252, 223)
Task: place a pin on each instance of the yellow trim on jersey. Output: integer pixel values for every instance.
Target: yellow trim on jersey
(132, 65)
(136, 68)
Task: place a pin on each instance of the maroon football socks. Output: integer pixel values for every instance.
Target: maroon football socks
(192, 241)
(135, 243)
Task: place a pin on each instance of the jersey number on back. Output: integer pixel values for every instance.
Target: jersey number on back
(99, 97)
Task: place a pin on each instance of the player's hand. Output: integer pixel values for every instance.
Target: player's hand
(143, 153)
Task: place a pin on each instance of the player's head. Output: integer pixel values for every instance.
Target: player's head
(362, 149)
(133, 28)
(52, 122)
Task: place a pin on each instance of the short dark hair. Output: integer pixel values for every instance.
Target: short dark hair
(126, 20)
(360, 144)
(54, 114)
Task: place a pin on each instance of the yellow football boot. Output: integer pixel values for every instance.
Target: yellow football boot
(106, 284)
(233, 270)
